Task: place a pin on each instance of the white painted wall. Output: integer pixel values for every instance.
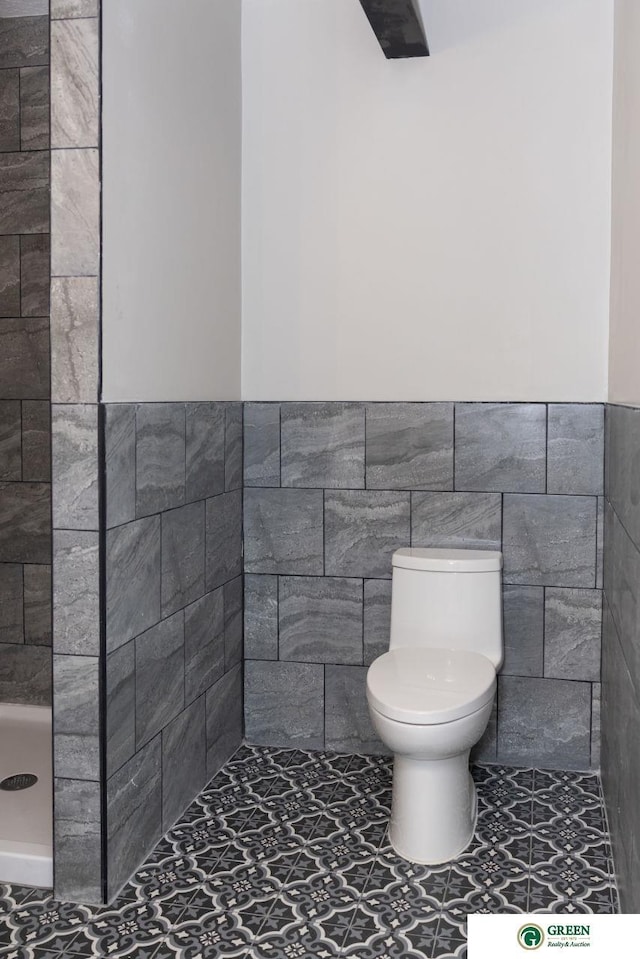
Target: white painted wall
(427, 229)
(171, 228)
(624, 347)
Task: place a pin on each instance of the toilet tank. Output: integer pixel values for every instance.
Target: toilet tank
(448, 598)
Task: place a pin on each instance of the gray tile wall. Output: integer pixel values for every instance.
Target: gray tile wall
(174, 600)
(331, 489)
(25, 430)
(621, 648)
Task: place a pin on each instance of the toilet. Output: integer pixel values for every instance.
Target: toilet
(430, 696)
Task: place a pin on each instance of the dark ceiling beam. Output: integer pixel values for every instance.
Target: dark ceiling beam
(398, 26)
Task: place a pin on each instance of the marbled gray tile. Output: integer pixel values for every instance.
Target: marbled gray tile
(37, 605)
(74, 449)
(205, 449)
(260, 617)
(24, 41)
(24, 8)
(600, 544)
(134, 813)
(76, 592)
(67, 9)
(76, 720)
(544, 722)
(159, 677)
(362, 530)
(224, 719)
(133, 580)
(34, 274)
(621, 578)
(233, 626)
(575, 458)
(120, 707)
(10, 440)
(284, 704)
(322, 445)
(377, 618)
(622, 460)
(25, 674)
(75, 93)
(203, 643)
(348, 723)
(25, 523)
(160, 457)
(74, 339)
(182, 553)
(24, 358)
(456, 520)
(549, 540)
(573, 628)
(500, 447)
(78, 841)
(9, 272)
(485, 750)
(410, 446)
(11, 603)
(233, 446)
(224, 538)
(24, 189)
(262, 444)
(120, 462)
(596, 698)
(36, 441)
(75, 213)
(523, 630)
(283, 531)
(184, 761)
(34, 108)
(9, 112)
(320, 619)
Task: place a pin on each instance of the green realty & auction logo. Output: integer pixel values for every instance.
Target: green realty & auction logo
(531, 936)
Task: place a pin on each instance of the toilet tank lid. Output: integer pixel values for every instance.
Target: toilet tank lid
(448, 560)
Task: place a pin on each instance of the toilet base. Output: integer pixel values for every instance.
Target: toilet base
(434, 808)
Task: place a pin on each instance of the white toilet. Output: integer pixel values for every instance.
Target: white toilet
(430, 697)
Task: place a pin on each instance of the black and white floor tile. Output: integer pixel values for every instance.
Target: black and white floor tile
(284, 856)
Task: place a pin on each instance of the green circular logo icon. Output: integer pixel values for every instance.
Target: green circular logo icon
(530, 936)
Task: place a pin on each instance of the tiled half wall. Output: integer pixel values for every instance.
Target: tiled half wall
(333, 488)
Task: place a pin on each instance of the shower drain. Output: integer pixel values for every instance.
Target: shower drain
(21, 781)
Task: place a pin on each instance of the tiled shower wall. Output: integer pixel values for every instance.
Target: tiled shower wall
(333, 488)
(173, 614)
(621, 648)
(25, 430)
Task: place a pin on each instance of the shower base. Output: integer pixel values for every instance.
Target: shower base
(26, 848)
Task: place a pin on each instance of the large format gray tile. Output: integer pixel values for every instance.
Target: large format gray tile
(76, 720)
(362, 530)
(120, 707)
(78, 841)
(120, 462)
(133, 580)
(159, 677)
(320, 619)
(224, 538)
(75, 109)
(160, 457)
(24, 189)
(24, 41)
(544, 722)
(233, 625)
(67, 9)
(25, 523)
(10, 440)
(348, 723)
(575, 459)
(34, 108)
(24, 358)
(35, 276)
(261, 617)
(205, 449)
(9, 267)
(74, 339)
(25, 674)
(596, 731)
(550, 540)
(182, 554)
(622, 455)
(74, 450)
(76, 592)
(233, 446)
(24, 8)
(456, 520)
(500, 447)
(283, 531)
(284, 704)
(262, 444)
(377, 618)
(11, 603)
(523, 626)
(622, 575)
(10, 115)
(37, 605)
(323, 445)
(134, 813)
(600, 543)
(203, 643)
(224, 706)
(573, 628)
(36, 441)
(410, 446)
(75, 213)
(184, 761)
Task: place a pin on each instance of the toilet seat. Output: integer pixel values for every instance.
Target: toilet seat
(426, 687)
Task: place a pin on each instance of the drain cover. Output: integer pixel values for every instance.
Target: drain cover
(21, 781)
